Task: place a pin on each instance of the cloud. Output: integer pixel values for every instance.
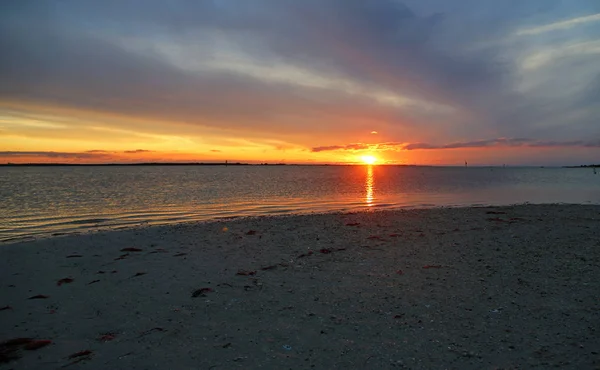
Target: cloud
(137, 151)
(340, 147)
(56, 155)
(491, 143)
(96, 154)
(385, 46)
(561, 25)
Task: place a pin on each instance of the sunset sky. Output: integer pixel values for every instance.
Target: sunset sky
(300, 81)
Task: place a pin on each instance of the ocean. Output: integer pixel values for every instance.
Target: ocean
(45, 201)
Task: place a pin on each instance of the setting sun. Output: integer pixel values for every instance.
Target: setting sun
(368, 159)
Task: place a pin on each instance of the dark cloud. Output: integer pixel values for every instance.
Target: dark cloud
(340, 147)
(95, 155)
(501, 143)
(55, 155)
(137, 151)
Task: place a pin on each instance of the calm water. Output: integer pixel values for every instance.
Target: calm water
(40, 201)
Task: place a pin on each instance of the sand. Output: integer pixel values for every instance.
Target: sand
(465, 288)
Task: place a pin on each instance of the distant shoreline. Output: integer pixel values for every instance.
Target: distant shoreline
(150, 164)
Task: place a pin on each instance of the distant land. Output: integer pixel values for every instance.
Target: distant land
(140, 164)
(585, 166)
(259, 164)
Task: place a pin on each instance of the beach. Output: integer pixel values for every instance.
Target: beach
(444, 288)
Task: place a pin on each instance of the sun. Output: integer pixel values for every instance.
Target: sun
(368, 159)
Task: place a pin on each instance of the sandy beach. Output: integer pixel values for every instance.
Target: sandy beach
(465, 288)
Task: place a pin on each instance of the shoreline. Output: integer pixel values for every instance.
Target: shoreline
(117, 227)
(468, 287)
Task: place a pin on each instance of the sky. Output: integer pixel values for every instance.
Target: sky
(432, 82)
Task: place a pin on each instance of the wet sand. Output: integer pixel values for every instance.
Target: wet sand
(481, 288)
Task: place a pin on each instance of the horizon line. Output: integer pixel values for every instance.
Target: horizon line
(112, 164)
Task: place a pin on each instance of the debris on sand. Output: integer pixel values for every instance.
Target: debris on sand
(310, 253)
(39, 296)
(107, 337)
(202, 292)
(131, 249)
(246, 273)
(9, 350)
(86, 352)
(64, 281)
(36, 344)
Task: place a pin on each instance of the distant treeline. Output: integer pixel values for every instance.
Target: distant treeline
(127, 164)
(585, 166)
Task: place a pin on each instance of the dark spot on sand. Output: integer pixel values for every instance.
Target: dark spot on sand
(16, 342)
(5, 308)
(140, 274)
(107, 337)
(310, 253)
(36, 344)
(9, 349)
(93, 282)
(202, 292)
(246, 273)
(179, 254)
(39, 296)
(353, 224)
(86, 352)
(251, 232)
(64, 281)
(432, 266)
(266, 268)
(495, 213)
(151, 330)
(74, 256)
(131, 249)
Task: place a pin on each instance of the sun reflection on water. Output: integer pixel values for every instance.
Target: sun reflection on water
(369, 187)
